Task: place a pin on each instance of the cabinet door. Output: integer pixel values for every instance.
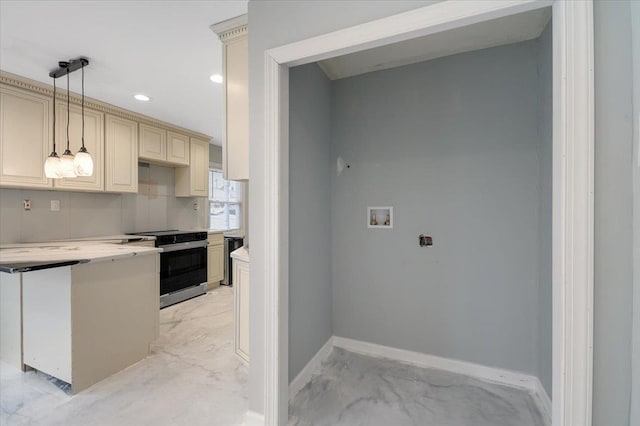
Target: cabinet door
(236, 146)
(241, 311)
(199, 168)
(153, 143)
(121, 155)
(93, 141)
(177, 148)
(215, 265)
(25, 138)
(193, 181)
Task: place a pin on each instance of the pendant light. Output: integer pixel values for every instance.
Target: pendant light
(52, 165)
(83, 163)
(66, 161)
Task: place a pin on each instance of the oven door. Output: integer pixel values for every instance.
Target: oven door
(183, 265)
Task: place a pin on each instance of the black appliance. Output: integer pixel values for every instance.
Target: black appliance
(230, 245)
(183, 264)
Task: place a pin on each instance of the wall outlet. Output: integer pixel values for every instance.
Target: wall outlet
(55, 205)
(196, 206)
(27, 204)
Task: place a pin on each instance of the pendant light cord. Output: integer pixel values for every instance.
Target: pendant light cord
(68, 111)
(54, 114)
(83, 106)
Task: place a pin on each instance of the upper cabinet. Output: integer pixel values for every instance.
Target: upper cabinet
(193, 181)
(178, 148)
(121, 154)
(153, 143)
(116, 139)
(93, 141)
(163, 147)
(25, 138)
(235, 147)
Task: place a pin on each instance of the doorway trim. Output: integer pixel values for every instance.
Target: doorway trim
(573, 184)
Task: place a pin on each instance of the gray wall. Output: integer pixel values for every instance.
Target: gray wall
(613, 215)
(275, 23)
(215, 154)
(84, 214)
(453, 145)
(310, 216)
(545, 132)
(635, 394)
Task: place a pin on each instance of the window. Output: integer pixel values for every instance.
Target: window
(225, 202)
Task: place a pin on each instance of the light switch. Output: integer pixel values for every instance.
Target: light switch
(27, 204)
(55, 205)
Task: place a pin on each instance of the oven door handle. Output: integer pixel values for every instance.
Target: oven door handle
(184, 246)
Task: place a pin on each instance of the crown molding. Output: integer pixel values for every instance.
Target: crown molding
(23, 83)
(231, 28)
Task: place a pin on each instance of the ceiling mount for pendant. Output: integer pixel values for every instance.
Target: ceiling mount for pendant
(67, 67)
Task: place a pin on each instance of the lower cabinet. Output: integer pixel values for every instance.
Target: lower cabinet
(215, 260)
(241, 304)
(78, 327)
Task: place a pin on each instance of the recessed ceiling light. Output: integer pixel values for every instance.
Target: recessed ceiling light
(141, 97)
(216, 78)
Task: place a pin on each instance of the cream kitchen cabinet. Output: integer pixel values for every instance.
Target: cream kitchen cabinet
(114, 137)
(241, 288)
(193, 180)
(160, 146)
(215, 260)
(121, 154)
(178, 148)
(25, 138)
(235, 53)
(153, 143)
(93, 141)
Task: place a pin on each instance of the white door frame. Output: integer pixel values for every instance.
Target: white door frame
(573, 183)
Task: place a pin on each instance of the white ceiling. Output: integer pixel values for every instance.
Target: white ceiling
(163, 49)
(507, 30)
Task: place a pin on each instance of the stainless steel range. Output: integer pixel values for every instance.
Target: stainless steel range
(183, 264)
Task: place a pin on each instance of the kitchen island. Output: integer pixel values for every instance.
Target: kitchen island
(78, 311)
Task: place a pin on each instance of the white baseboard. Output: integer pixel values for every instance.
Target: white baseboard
(491, 374)
(251, 418)
(312, 366)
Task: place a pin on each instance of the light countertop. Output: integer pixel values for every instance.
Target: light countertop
(33, 256)
(117, 238)
(241, 254)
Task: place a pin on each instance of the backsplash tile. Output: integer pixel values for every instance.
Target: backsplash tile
(40, 220)
(10, 215)
(92, 214)
(84, 214)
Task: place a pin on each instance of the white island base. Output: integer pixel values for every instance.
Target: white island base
(85, 322)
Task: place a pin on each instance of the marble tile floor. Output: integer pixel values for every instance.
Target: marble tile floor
(191, 378)
(353, 389)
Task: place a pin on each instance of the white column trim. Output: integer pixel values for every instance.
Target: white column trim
(573, 206)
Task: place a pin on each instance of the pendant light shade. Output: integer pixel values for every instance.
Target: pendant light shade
(67, 169)
(83, 163)
(52, 166)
